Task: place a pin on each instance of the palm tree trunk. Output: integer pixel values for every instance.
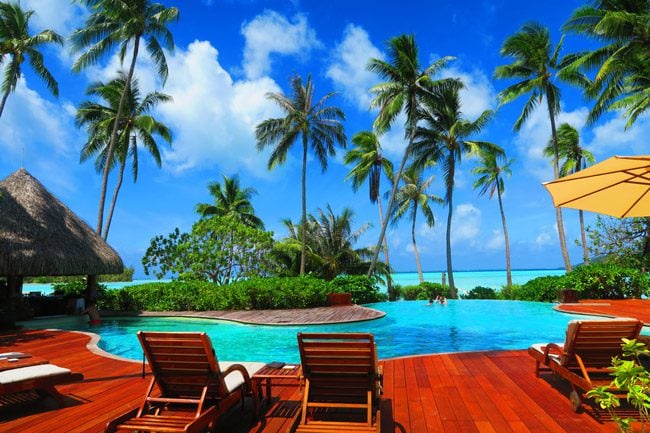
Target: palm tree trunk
(556, 174)
(507, 241)
(391, 200)
(3, 102)
(303, 223)
(118, 185)
(389, 278)
(450, 196)
(583, 235)
(111, 143)
(230, 258)
(415, 246)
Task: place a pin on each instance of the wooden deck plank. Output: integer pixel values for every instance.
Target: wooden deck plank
(480, 392)
(636, 308)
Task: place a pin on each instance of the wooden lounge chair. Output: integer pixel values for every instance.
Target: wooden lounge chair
(342, 383)
(586, 354)
(40, 378)
(193, 391)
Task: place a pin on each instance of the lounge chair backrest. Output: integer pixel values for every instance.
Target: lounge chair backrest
(339, 366)
(183, 363)
(598, 341)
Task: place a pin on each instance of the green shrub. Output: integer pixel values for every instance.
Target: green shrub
(253, 293)
(424, 291)
(541, 289)
(509, 292)
(75, 288)
(608, 281)
(480, 292)
(411, 293)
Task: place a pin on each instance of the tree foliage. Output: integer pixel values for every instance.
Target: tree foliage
(625, 242)
(217, 249)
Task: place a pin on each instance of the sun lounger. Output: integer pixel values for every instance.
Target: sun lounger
(189, 391)
(40, 378)
(586, 354)
(342, 383)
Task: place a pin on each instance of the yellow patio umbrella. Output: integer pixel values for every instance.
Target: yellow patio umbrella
(618, 186)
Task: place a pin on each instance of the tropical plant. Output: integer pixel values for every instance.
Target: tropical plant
(230, 199)
(411, 197)
(370, 164)
(493, 166)
(632, 376)
(622, 80)
(127, 23)
(329, 241)
(16, 43)
(218, 249)
(406, 83)
(574, 158)
(316, 123)
(536, 64)
(444, 138)
(625, 242)
(135, 126)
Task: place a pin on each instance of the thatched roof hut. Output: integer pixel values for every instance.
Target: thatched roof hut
(39, 235)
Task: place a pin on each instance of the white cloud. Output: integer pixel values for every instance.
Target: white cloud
(544, 239)
(348, 67)
(496, 241)
(478, 94)
(535, 133)
(39, 135)
(271, 33)
(611, 138)
(212, 116)
(62, 16)
(466, 223)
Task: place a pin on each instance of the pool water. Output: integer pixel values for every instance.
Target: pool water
(409, 328)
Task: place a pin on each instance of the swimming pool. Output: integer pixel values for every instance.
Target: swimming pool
(409, 328)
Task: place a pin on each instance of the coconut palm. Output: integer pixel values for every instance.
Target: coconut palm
(493, 167)
(536, 64)
(412, 197)
(402, 91)
(16, 43)
(622, 79)
(574, 158)
(443, 137)
(230, 199)
(124, 23)
(135, 126)
(370, 163)
(316, 123)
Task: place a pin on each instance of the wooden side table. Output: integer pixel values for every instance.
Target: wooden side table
(262, 380)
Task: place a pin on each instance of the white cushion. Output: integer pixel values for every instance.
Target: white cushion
(33, 372)
(235, 379)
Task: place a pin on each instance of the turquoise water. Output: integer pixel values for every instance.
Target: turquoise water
(409, 328)
(467, 280)
(464, 280)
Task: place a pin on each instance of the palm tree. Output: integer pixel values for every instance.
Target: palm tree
(403, 89)
(412, 197)
(316, 123)
(622, 79)
(444, 138)
(230, 199)
(574, 158)
(491, 171)
(16, 44)
(123, 22)
(536, 63)
(370, 163)
(135, 125)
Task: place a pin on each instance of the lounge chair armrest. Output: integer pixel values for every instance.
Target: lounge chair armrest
(240, 368)
(552, 347)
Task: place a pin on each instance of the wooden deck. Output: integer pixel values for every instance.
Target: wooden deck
(637, 308)
(296, 316)
(480, 392)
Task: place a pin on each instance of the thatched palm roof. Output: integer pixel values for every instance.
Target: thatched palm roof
(39, 235)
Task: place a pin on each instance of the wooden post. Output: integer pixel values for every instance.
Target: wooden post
(444, 279)
(91, 287)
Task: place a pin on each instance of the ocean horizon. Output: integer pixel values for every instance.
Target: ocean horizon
(464, 280)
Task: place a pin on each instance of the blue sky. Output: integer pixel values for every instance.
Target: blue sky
(229, 53)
